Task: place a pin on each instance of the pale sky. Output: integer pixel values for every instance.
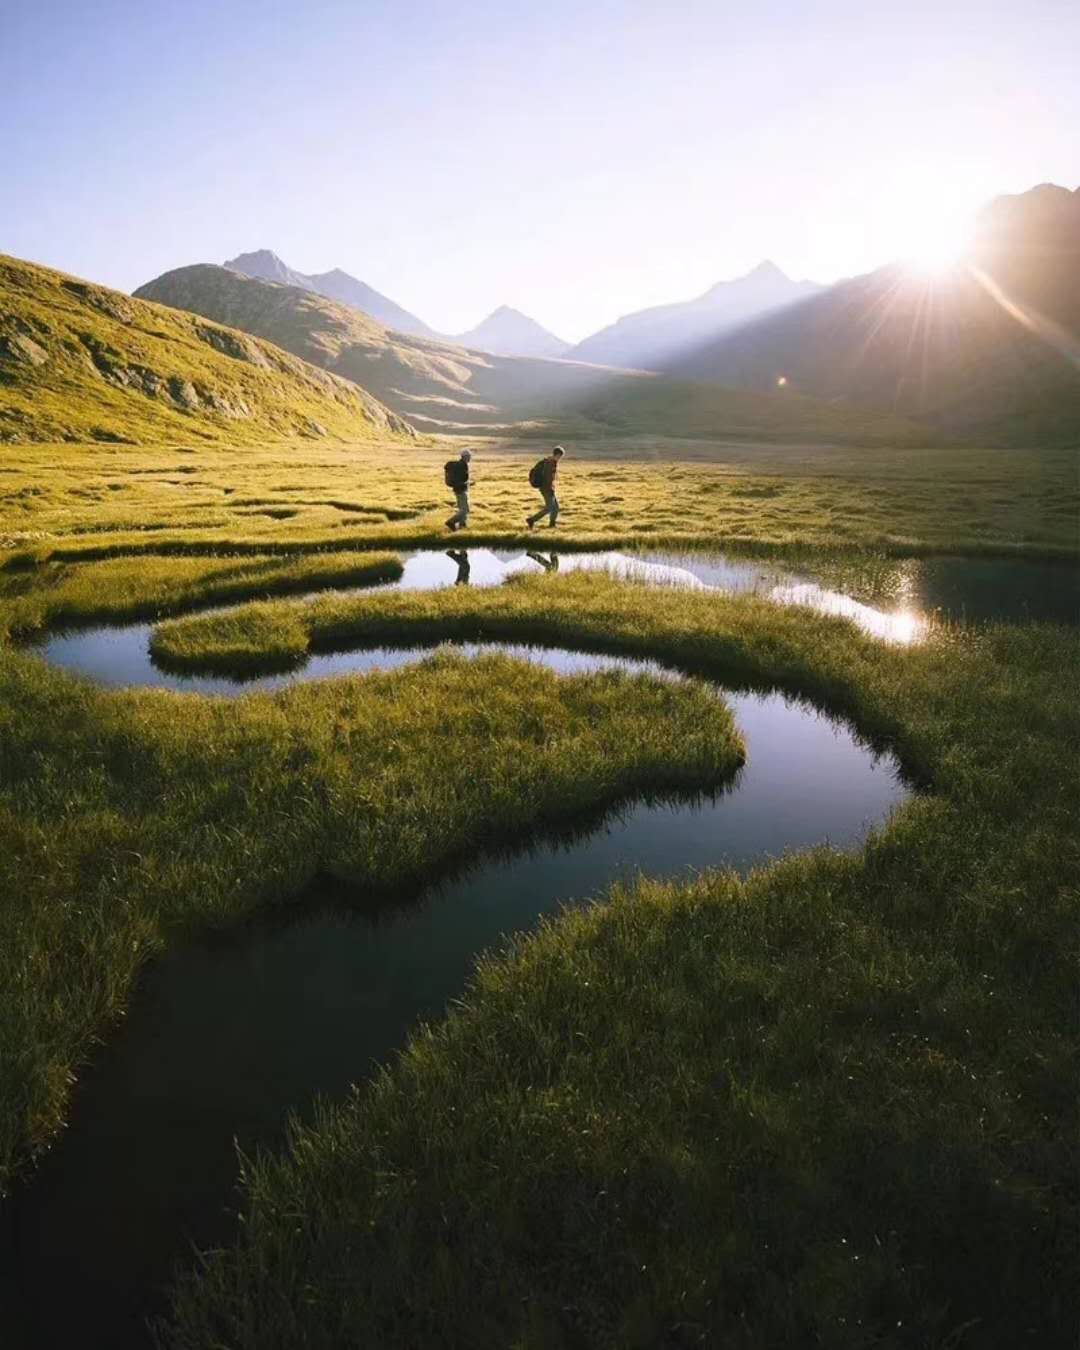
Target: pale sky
(577, 159)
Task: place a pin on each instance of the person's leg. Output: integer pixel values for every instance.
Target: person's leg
(552, 503)
(531, 520)
(460, 517)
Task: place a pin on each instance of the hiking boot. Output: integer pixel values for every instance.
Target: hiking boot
(528, 522)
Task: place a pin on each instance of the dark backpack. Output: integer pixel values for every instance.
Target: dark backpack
(538, 474)
(456, 473)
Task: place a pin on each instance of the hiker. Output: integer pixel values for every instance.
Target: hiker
(542, 477)
(461, 557)
(456, 474)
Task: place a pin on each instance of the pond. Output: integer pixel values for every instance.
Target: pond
(950, 588)
(228, 1035)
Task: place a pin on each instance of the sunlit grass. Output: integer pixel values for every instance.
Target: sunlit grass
(69, 503)
(147, 587)
(844, 1057)
(128, 818)
(807, 1108)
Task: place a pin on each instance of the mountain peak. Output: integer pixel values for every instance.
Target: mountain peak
(508, 332)
(265, 265)
(765, 278)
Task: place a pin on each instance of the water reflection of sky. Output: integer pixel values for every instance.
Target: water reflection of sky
(487, 567)
(956, 588)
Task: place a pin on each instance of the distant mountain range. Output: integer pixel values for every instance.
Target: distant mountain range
(505, 332)
(651, 338)
(441, 387)
(641, 341)
(989, 350)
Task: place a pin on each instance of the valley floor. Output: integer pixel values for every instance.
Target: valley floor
(69, 503)
(828, 1104)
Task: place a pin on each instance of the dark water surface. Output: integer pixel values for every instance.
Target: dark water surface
(228, 1035)
(955, 588)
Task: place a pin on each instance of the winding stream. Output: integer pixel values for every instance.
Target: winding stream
(118, 654)
(228, 1035)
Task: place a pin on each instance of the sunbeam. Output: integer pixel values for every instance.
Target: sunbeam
(1053, 334)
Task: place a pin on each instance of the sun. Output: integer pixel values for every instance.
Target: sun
(936, 248)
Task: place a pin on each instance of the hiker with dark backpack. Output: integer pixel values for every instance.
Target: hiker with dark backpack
(542, 477)
(456, 473)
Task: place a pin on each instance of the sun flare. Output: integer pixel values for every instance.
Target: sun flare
(937, 247)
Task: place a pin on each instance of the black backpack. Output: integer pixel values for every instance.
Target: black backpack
(456, 473)
(538, 474)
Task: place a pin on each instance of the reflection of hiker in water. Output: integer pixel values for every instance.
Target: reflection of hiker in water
(542, 477)
(456, 474)
(459, 556)
(548, 564)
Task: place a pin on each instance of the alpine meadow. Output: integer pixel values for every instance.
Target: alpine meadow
(539, 724)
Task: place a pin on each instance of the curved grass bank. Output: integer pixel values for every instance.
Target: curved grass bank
(745, 639)
(148, 587)
(129, 818)
(830, 1105)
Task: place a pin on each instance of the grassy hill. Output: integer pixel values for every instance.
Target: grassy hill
(989, 351)
(448, 389)
(79, 362)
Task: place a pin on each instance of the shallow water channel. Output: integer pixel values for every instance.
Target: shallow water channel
(227, 1035)
(952, 588)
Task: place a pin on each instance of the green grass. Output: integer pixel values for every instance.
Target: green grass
(843, 1057)
(828, 1105)
(79, 362)
(129, 818)
(254, 638)
(120, 589)
(79, 504)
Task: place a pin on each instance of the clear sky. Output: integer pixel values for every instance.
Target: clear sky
(577, 159)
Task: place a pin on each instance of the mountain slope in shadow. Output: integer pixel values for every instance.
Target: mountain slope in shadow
(651, 338)
(989, 349)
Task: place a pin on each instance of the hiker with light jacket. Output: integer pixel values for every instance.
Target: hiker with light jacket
(456, 474)
(542, 477)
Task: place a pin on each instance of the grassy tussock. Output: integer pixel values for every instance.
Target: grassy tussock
(120, 589)
(128, 818)
(829, 1105)
(253, 639)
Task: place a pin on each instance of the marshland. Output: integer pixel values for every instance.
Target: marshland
(539, 833)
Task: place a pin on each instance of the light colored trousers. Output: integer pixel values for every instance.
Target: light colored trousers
(550, 507)
(461, 515)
